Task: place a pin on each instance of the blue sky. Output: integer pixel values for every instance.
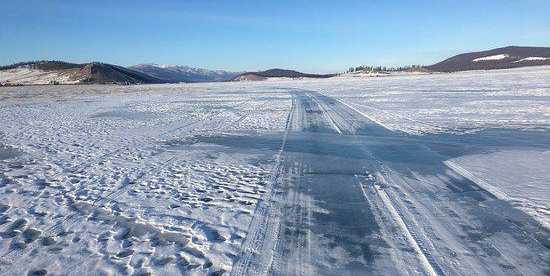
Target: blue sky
(312, 36)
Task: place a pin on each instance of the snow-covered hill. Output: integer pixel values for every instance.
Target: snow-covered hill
(177, 73)
(29, 76)
(57, 72)
(500, 58)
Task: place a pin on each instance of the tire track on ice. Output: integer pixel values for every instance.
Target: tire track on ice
(427, 262)
(326, 113)
(264, 226)
(405, 229)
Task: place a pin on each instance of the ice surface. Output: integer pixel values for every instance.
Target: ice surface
(7, 152)
(167, 178)
(520, 176)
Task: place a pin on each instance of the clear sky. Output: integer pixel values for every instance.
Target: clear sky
(312, 36)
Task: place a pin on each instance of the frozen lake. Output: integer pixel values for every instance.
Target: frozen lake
(443, 174)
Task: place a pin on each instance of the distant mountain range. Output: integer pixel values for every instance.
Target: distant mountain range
(59, 72)
(500, 58)
(276, 73)
(176, 73)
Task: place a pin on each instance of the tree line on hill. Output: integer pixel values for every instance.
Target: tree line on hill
(381, 69)
(46, 65)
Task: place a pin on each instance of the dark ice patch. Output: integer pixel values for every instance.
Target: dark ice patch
(7, 152)
(125, 114)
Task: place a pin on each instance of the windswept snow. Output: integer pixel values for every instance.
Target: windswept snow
(129, 182)
(491, 58)
(409, 174)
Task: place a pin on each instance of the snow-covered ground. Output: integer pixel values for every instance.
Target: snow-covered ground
(115, 182)
(166, 179)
